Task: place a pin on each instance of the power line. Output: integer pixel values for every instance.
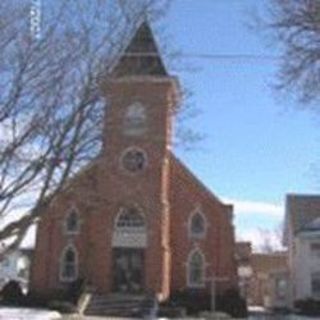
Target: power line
(245, 57)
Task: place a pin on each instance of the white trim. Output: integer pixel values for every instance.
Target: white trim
(129, 240)
(196, 236)
(314, 277)
(189, 283)
(72, 210)
(133, 148)
(68, 247)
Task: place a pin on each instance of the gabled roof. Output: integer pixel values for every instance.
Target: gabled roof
(141, 57)
(303, 212)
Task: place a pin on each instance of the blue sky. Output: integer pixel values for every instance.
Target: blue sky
(256, 148)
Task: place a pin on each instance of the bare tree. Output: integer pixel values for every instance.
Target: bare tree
(51, 109)
(295, 27)
(271, 239)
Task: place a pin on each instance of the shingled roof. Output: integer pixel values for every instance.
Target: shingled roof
(141, 57)
(303, 212)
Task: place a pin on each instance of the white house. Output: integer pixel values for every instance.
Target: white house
(302, 236)
(15, 266)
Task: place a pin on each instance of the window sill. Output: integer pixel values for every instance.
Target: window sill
(197, 237)
(196, 286)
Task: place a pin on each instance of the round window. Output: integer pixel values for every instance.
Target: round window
(134, 160)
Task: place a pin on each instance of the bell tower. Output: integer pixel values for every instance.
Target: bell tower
(137, 140)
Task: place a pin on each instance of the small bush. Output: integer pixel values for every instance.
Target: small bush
(12, 293)
(232, 303)
(171, 312)
(61, 299)
(194, 301)
(308, 307)
(44, 300)
(35, 301)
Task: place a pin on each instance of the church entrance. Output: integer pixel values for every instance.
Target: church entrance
(128, 270)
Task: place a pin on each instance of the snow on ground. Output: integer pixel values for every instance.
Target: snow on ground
(279, 317)
(28, 314)
(38, 314)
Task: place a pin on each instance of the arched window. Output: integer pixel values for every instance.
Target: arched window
(130, 219)
(197, 225)
(72, 223)
(196, 269)
(69, 264)
(135, 119)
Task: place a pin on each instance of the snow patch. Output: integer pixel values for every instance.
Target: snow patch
(27, 314)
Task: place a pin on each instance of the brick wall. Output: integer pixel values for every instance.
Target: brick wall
(188, 194)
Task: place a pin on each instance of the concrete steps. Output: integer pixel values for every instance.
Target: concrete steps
(121, 306)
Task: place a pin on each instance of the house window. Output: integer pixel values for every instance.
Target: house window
(281, 288)
(72, 223)
(315, 284)
(196, 271)
(6, 262)
(135, 120)
(197, 225)
(134, 160)
(130, 219)
(315, 250)
(69, 264)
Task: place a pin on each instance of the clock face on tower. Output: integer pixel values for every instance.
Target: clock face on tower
(134, 160)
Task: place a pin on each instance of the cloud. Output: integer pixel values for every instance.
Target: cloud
(257, 222)
(255, 207)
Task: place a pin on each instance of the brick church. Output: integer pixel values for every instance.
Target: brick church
(136, 220)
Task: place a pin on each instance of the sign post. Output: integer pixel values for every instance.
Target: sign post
(213, 281)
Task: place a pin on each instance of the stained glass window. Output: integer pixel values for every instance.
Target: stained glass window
(196, 269)
(72, 223)
(130, 218)
(134, 160)
(69, 265)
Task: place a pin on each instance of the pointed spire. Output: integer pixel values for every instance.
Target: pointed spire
(141, 56)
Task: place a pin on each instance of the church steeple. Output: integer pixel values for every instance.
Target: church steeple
(141, 57)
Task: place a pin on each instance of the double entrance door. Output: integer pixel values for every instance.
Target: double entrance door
(128, 270)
